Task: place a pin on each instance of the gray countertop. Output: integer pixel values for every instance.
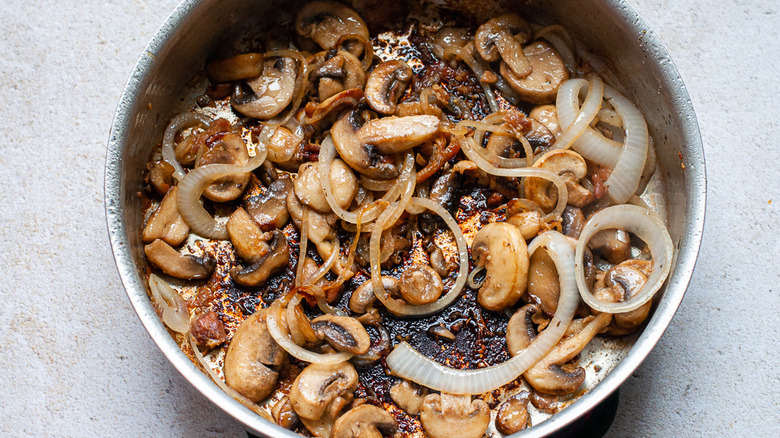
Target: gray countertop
(76, 361)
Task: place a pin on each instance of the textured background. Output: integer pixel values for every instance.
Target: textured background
(75, 359)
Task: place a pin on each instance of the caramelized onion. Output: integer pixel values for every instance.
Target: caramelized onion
(400, 308)
(407, 363)
(173, 310)
(304, 243)
(181, 121)
(192, 186)
(647, 226)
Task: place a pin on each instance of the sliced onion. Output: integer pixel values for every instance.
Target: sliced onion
(469, 148)
(466, 53)
(302, 245)
(279, 333)
(647, 226)
(591, 144)
(174, 311)
(569, 91)
(329, 263)
(409, 364)
(563, 43)
(400, 308)
(192, 186)
(376, 185)
(221, 383)
(371, 211)
(299, 90)
(624, 179)
(181, 121)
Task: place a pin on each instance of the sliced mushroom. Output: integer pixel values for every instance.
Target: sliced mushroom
(539, 137)
(360, 156)
(512, 416)
(175, 264)
(386, 84)
(271, 92)
(444, 189)
(379, 344)
(448, 41)
(247, 238)
(572, 221)
(544, 402)
(547, 115)
(454, 416)
(502, 37)
(529, 222)
(333, 73)
(420, 284)
(323, 388)
(283, 413)
(161, 177)
(501, 249)
(343, 333)
(572, 168)
(408, 396)
(328, 22)
(269, 209)
(322, 115)
(620, 283)
(320, 227)
(166, 223)
(229, 149)
(208, 330)
(520, 330)
(235, 68)
(258, 272)
(391, 135)
(547, 75)
(363, 297)
(543, 282)
(343, 185)
(548, 377)
(613, 244)
(250, 356)
(365, 421)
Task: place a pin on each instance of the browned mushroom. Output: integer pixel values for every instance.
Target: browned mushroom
(258, 272)
(454, 416)
(501, 249)
(323, 388)
(547, 75)
(572, 168)
(363, 297)
(614, 245)
(572, 221)
(529, 222)
(283, 413)
(364, 421)
(620, 283)
(385, 85)
(420, 284)
(328, 22)
(343, 333)
(391, 135)
(408, 396)
(512, 416)
(360, 156)
(247, 238)
(520, 330)
(502, 38)
(250, 358)
(285, 147)
(333, 73)
(547, 115)
(166, 223)
(229, 149)
(160, 177)
(271, 92)
(175, 264)
(235, 68)
(269, 209)
(343, 185)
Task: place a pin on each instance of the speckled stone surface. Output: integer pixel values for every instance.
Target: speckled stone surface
(76, 361)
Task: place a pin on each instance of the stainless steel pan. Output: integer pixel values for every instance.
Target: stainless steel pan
(609, 28)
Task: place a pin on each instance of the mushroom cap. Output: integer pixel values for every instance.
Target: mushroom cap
(166, 223)
(327, 22)
(386, 84)
(548, 72)
(420, 284)
(454, 416)
(363, 297)
(335, 73)
(283, 413)
(621, 282)
(502, 37)
(408, 396)
(272, 91)
(571, 167)
(614, 244)
(229, 149)
(235, 68)
(258, 272)
(391, 135)
(309, 190)
(512, 415)
(247, 238)
(364, 421)
(317, 386)
(501, 249)
(547, 115)
(269, 209)
(359, 155)
(528, 222)
(175, 264)
(249, 356)
(283, 146)
(343, 333)
(543, 282)
(520, 330)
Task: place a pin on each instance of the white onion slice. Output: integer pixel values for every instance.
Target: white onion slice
(181, 121)
(409, 364)
(303, 244)
(647, 226)
(591, 144)
(400, 308)
(371, 211)
(279, 333)
(586, 114)
(563, 43)
(192, 186)
(469, 148)
(174, 311)
(624, 179)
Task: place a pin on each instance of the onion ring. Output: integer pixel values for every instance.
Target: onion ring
(275, 329)
(178, 123)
